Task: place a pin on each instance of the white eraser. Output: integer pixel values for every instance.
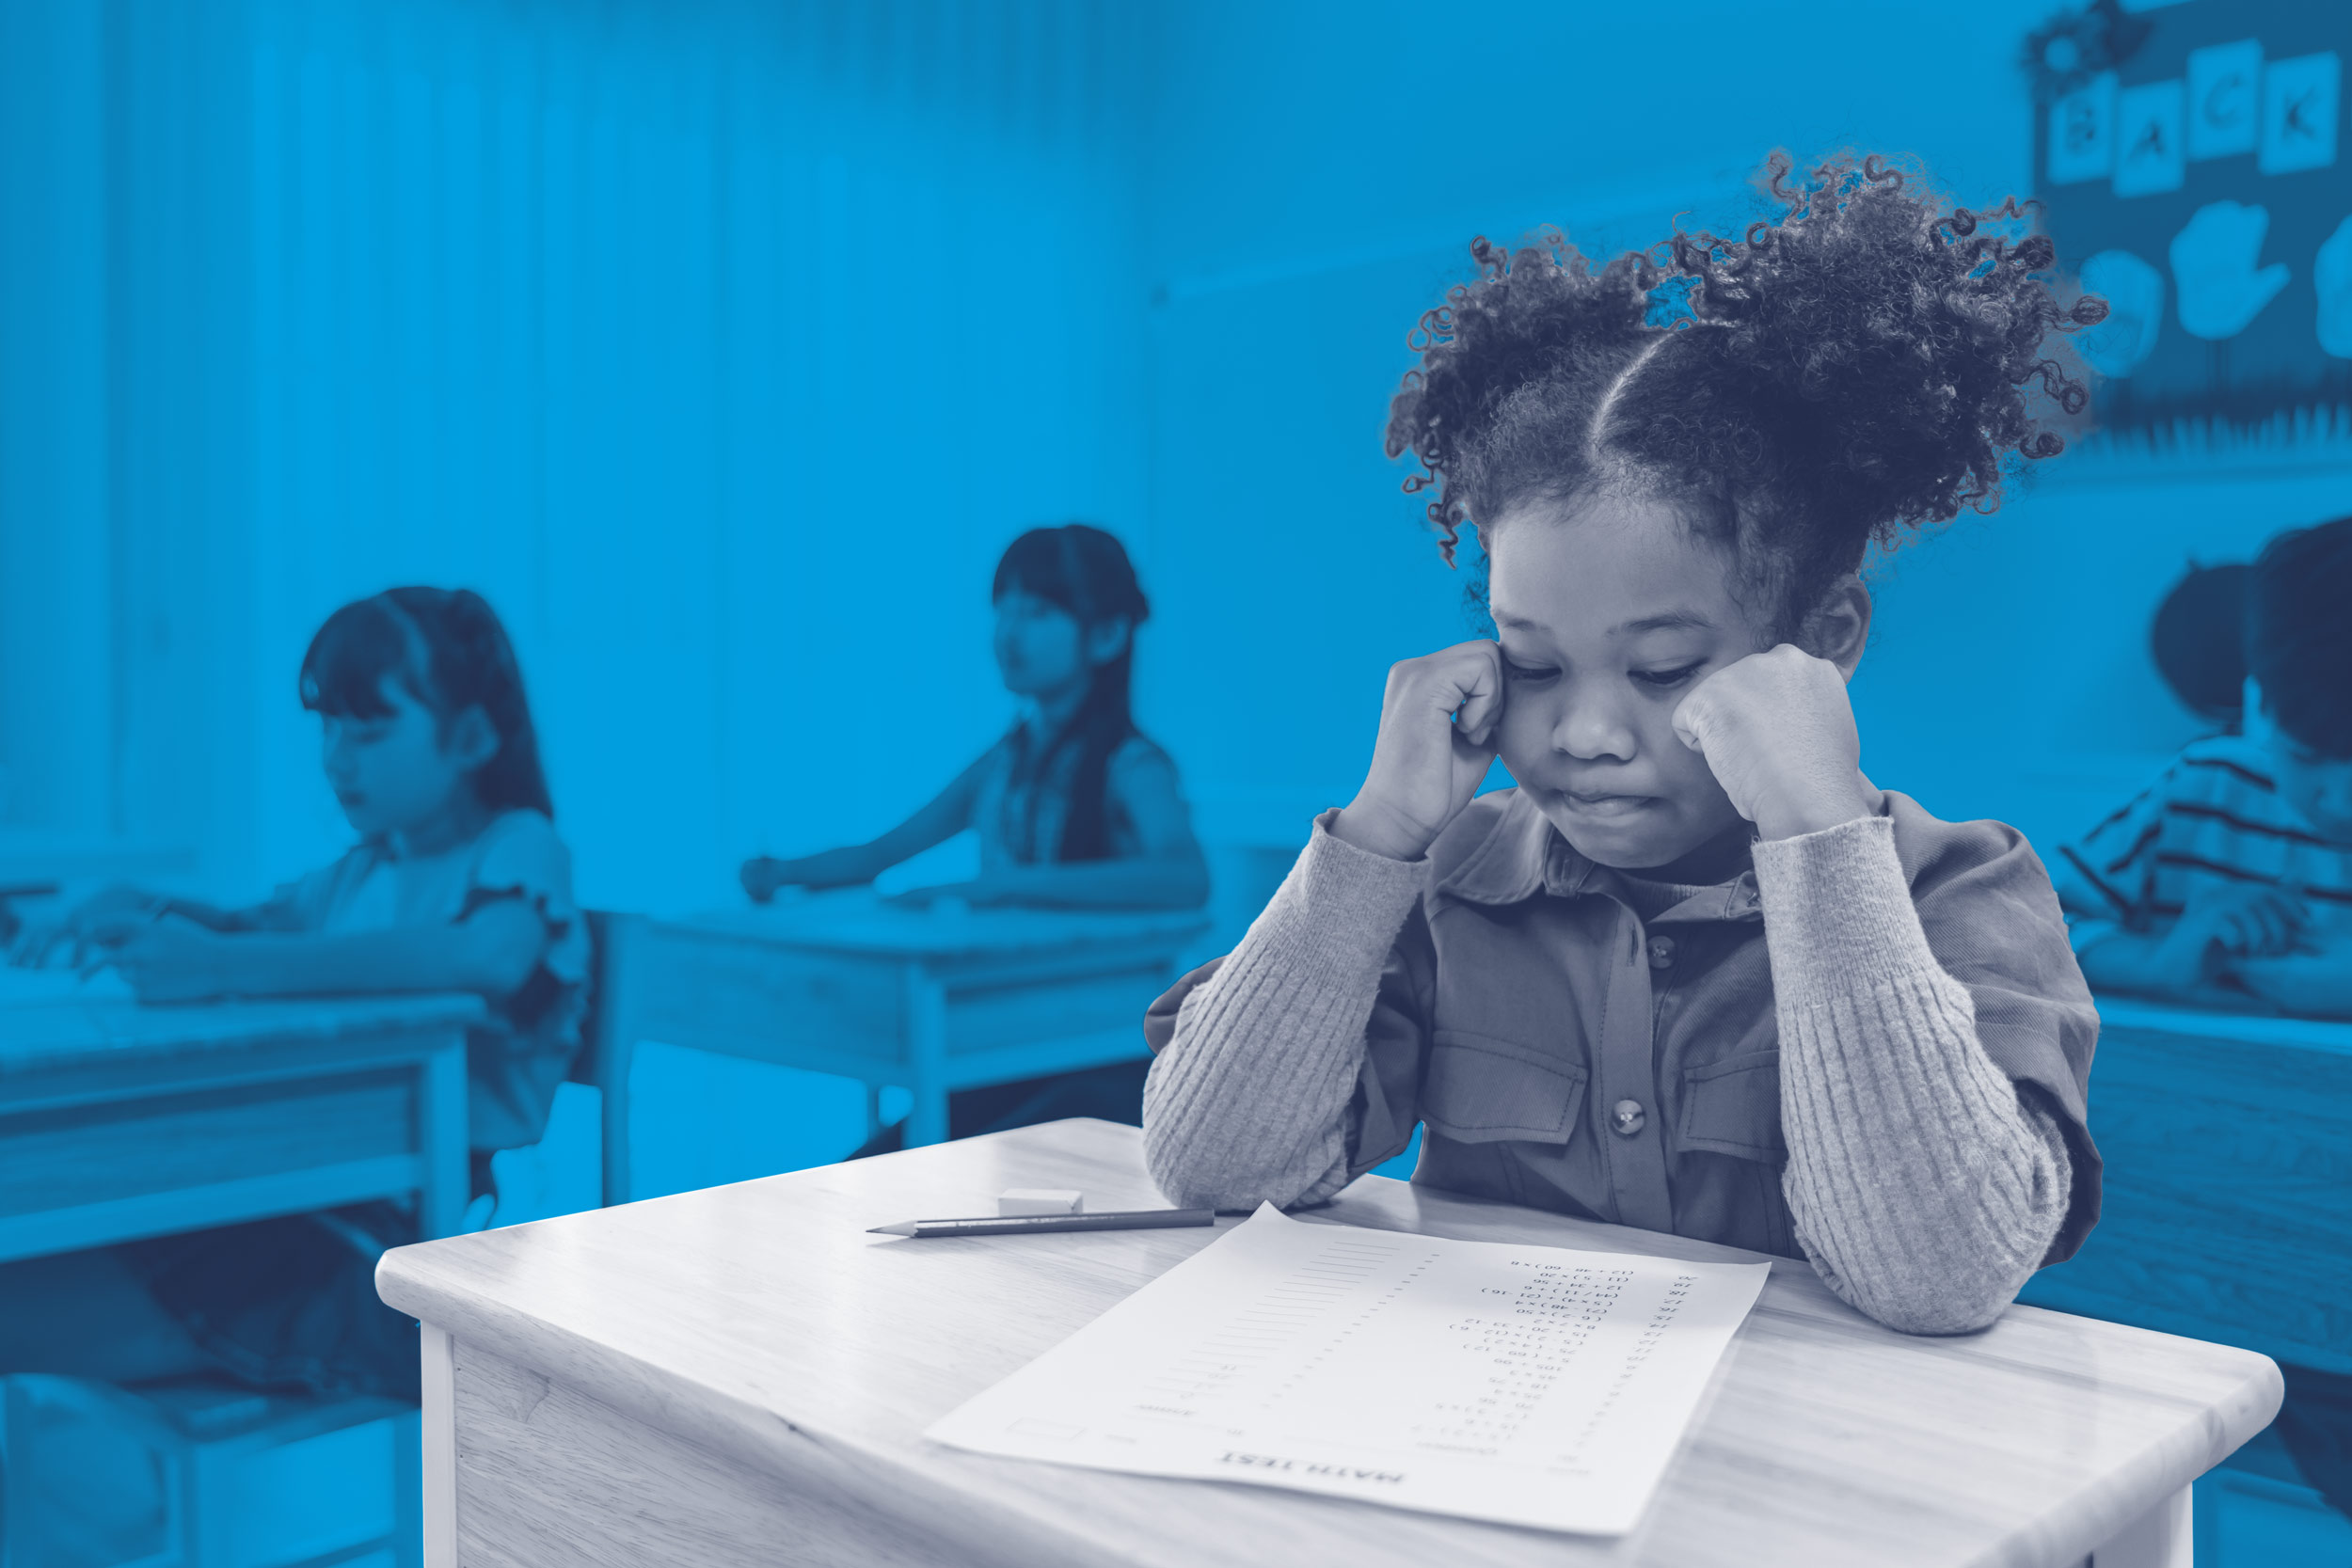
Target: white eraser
(1039, 1201)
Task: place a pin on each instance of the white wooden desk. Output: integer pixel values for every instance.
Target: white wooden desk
(929, 1001)
(740, 1376)
(2228, 1196)
(118, 1120)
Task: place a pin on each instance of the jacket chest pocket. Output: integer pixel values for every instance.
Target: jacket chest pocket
(1733, 1107)
(1480, 1088)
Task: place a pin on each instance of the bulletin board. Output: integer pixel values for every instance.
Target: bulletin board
(2191, 164)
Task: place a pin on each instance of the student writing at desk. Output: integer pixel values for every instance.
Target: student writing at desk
(458, 883)
(2230, 878)
(1074, 808)
(1695, 974)
(2227, 882)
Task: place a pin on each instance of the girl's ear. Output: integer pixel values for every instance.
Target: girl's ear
(1106, 640)
(471, 739)
(1839, 627)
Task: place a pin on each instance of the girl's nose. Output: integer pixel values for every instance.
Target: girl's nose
(1592, 728)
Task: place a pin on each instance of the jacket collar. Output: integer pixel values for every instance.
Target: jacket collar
(1523, 854)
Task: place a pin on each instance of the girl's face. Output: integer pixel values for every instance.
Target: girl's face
(1042, 651)
(1609, 612)
(396, 773)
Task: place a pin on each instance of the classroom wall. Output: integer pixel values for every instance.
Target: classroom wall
(723, 345)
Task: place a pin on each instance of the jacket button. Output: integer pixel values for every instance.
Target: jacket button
(1661, 952)
(1627, 1117)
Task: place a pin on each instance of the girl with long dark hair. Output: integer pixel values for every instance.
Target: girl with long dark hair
(1075, 807)
(457, 882)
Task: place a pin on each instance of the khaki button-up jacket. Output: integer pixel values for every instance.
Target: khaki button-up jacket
(1564, 1054)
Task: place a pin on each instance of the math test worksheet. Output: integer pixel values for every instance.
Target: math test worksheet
(1525, 1384)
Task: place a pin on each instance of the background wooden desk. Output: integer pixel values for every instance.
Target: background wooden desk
(118, 1120)
(2228, 1213)
(929, 1001)
(738, 1376)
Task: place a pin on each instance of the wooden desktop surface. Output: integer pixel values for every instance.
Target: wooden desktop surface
(740, 1375)
(119, 1120)
(857, 921)
(844, 983)
(2228, 1143)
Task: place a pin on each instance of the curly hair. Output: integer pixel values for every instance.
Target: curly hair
(1862, 365)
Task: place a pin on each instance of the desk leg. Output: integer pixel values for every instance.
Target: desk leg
(927, 1055)
(620, 1052)
(448, 1180)
(2162, 1538)
(439, 1421)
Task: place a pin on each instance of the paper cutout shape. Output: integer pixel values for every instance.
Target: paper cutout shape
(2150, 154)
(2299, 104)
(2331, 277)
(2082, 133)
(2225, 99)
(2134, 291)
(2219, 286)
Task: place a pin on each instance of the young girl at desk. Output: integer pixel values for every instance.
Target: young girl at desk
(1695, 974)
(1074, 808)
(458, 883)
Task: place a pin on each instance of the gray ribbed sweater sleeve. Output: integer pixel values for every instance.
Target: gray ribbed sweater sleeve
(1249, 1100)
(1924, 1190)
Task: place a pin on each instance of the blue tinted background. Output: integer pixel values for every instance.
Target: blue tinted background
(724, 345)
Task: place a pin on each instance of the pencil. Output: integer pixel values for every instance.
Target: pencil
(1015, 1224)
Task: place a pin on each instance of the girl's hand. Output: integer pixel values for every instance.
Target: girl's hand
(172, 960)
(2246, 921)
(1777, 732)
(93, 922)
(1437, 732)
(762, 874)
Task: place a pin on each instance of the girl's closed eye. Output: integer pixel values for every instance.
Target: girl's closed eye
(1667, 679)
(1527, 675)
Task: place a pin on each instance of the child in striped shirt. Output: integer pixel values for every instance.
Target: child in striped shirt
(2231, 875)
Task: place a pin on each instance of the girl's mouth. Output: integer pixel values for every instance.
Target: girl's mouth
(1606, 807)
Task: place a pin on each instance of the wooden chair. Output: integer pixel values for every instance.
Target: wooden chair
(605, 1049)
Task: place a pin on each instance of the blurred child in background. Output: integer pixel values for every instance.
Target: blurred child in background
(2228, 881)
(458, 883)
(2199, 641)
(2231, 877)
(1075, 807)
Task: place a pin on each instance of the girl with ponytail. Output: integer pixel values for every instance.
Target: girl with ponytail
(1695, 972)
(1075, 807)
(456, 882)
